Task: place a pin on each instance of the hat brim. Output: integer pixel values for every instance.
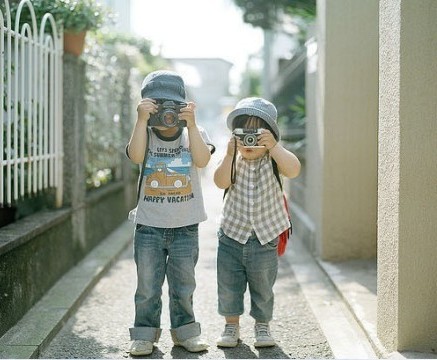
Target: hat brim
(167, 95)
(253, 112)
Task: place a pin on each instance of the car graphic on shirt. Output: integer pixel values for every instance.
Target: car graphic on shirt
(165, 179)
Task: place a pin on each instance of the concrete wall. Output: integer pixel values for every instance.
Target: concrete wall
(34, 253)
(341, 154)
(407, 212)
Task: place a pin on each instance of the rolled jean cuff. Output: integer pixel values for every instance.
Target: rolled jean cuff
(185, 332)
(145, 333)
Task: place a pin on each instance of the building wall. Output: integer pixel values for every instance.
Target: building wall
(407, 190)
(342, 130)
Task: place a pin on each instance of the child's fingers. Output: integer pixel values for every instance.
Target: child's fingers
(147, 106)
(267, 139)
(266, 136)
(191, 105)
(148, 100)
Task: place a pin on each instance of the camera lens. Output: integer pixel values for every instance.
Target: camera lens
(169, 118)
(250, 140)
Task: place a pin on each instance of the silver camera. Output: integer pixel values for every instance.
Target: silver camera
(249, 137)
(167, 115)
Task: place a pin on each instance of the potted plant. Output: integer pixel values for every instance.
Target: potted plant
(76, 16)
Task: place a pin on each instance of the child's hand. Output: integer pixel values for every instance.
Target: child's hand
(146, 107)
(187, 114)
(267, 139)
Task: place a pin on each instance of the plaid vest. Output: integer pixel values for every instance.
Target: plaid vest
(254, 203)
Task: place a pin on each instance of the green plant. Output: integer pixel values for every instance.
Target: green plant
(299, 108)
(80, 15)
(274, 15)
(270, 14)
(294, 113)
(74, 15)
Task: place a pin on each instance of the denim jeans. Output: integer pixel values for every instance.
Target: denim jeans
(161, 252)
(240, 265)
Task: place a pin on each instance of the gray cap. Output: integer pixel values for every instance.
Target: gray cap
(259, 107)
(163, 84)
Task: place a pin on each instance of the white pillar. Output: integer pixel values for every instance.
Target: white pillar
(407, 173)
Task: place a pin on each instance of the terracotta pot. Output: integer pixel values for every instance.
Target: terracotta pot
(74, 43)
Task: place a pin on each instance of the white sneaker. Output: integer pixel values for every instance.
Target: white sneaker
(194, 344)
(141, 347)
(262, 335)
(230, 336)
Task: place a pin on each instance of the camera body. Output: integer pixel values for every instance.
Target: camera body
(167, 115)
(249, 137)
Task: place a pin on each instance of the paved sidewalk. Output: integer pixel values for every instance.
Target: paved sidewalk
(88, 312)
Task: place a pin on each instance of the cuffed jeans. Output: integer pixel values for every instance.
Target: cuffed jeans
(160, 252)
(239, 265)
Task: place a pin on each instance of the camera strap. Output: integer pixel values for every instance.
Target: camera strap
(143, 166)
(233, 167)
(233, 170)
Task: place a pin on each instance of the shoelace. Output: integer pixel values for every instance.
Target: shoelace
(230, 330)
(262, 329)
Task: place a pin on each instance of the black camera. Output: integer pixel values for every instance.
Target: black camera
(167, 115)
(249, 137)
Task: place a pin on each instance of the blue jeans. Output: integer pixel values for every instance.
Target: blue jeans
(160, 252)
(240, 265)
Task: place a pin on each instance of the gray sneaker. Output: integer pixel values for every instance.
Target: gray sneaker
(141, 347)
(230, 336)
(194, 344)
(262, 336)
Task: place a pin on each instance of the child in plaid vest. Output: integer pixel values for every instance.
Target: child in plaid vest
(252, 218)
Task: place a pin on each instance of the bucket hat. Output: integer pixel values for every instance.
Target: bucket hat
(163, 84)
(255, 106)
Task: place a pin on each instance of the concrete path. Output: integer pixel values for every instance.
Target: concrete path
(99, 328)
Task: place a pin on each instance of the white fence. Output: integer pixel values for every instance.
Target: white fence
(30, 105)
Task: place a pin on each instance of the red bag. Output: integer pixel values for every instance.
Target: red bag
(284, 236)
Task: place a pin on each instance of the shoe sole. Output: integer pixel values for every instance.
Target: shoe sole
(196, 350)
(140, 353)
(227, 345)
(264, 344)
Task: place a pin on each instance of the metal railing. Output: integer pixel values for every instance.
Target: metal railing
(30, 105)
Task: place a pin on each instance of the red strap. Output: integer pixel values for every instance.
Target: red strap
(284, 236)
(282, 244)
